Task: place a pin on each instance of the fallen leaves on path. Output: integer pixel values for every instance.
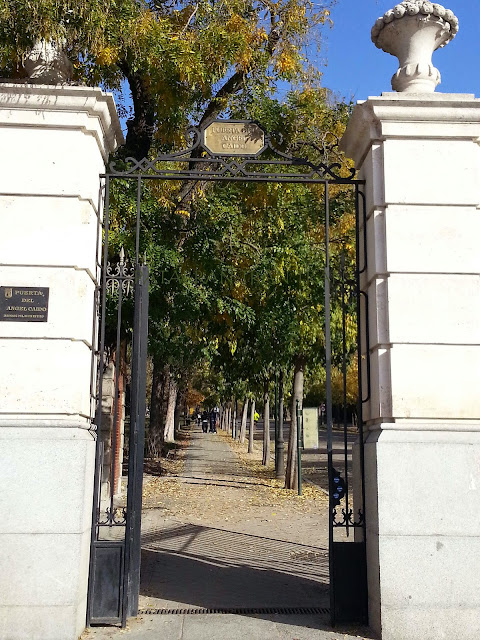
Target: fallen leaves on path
(249, 498)
(254, 467)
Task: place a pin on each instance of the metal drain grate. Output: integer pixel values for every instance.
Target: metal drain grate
(240, 611)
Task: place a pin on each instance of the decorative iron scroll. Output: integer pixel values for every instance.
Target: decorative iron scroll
(116, 517)
(347, 518)
(196, 162)
(120, 275)
(342, 517)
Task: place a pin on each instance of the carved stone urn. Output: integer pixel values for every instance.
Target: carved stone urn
(412, 31)
(47, 63)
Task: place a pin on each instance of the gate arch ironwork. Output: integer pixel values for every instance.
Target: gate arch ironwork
(115, 543)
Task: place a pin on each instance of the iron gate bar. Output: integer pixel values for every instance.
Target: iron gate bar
(101, 365)
(359, 271)
(360, 195)
(97, 277)
(137, 445)
(344, 385)
(137, 226)
(275, 404)
(98, 419)
(364, 295)
(361, 401)
(214, 178)
(116, 403)
(328, 393)
(347, 560)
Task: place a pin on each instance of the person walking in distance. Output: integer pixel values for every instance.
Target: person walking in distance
(213, 421)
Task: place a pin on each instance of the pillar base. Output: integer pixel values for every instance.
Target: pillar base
(423, 524)
(46, 474)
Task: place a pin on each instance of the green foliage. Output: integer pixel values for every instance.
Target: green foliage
(242, 292)
(237, 272)
(184, 52)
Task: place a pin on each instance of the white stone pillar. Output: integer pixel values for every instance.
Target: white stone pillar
(420, 157)
(54, 143)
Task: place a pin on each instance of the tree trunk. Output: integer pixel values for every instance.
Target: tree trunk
(141, 127)
(291, 479)
(229, 417)
(223, 423)
(266, 426)
(119, 419)
(157, 406)
(234, 420)
(243, 428)
(252, 427)
(156, 401)
(170, 419)
(155, 427)
(178, 410)
(279, 455)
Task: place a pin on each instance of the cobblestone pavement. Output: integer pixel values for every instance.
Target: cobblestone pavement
(220, 538)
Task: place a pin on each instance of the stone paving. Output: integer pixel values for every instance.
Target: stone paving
(249, 563)
(225, 627)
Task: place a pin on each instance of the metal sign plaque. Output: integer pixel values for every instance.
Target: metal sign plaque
(234, 138)
(24, 304)
(310, 428)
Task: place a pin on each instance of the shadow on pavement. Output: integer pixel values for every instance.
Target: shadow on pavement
(190, 566)
(224, 482)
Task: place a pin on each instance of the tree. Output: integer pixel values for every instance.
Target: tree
(183, 60)
(251, 429)
(169, 433)
(243, 281)
(291, 477)
(243, 427)
(253, 258)
(266, 425)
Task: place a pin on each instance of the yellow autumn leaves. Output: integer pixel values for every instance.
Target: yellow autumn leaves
(107, 56)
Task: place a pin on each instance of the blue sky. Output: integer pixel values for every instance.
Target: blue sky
(357, 69)
(353, 68)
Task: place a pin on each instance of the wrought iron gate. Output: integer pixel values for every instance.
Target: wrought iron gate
(115, 550)
(114, 577)
(347, 556)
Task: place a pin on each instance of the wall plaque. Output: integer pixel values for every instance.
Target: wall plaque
(232, 138)
(24, 304)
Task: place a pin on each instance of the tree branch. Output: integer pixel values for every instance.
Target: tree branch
(189, 20)
(142, 125)
(216, 106)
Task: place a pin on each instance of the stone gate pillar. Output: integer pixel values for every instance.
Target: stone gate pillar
(54, 143)
(420, 157)
(419, 154)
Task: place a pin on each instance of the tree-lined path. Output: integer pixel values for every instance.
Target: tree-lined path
(237, 539)
(222, 534)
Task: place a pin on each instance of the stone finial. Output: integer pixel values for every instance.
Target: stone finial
(412, 31)
(48, 64)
